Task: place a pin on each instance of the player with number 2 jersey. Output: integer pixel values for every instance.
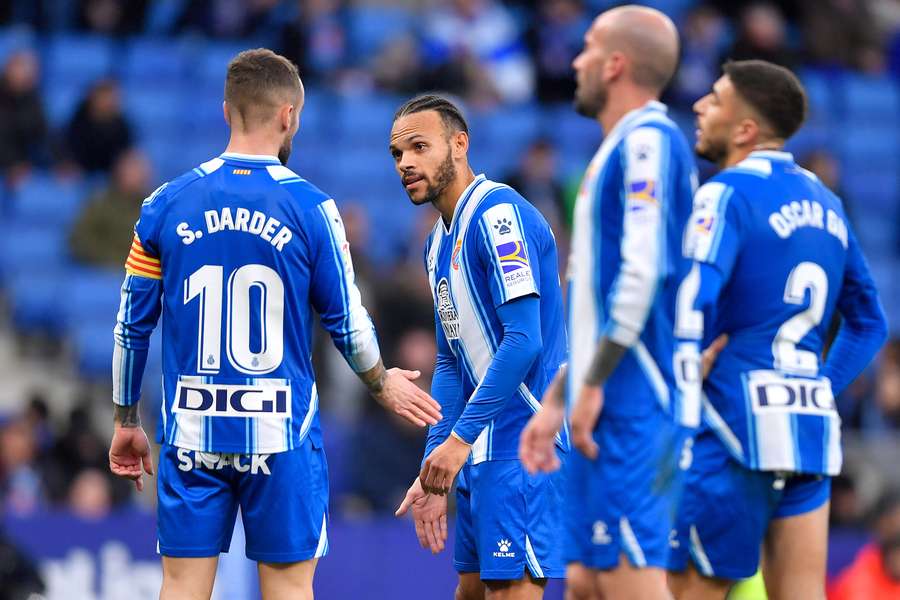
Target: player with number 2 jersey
(774, 257)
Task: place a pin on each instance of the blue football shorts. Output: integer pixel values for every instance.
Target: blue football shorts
(727, 509)
(625, 501)
(283, 499)
(508, 521)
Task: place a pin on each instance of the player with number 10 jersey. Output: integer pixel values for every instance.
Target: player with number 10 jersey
(238, 255)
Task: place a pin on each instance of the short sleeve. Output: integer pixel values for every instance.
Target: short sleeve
(713, 232)
(509, 248)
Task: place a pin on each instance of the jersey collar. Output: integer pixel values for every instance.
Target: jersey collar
(635, 113)
(262, 159)
(772, 155)
(463, 198)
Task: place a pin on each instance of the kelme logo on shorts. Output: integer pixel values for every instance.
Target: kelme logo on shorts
(601, 535)
(504, 546)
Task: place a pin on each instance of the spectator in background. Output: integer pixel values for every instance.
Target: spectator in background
(227, 18)
(555, 38)
(474, 48)
(102, 234)
(842, 33)
(99, 132)
(763, 35)
(112, 17)
(90, 495)
(875, 573)
(887, 385)
(536, 179)
(316, 39)
(21, 486)
(704, 35)
(23, 126)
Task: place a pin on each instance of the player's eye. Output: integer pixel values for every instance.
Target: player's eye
(396, 154)
(421, 146)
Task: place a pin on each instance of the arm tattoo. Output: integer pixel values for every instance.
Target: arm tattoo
(374, 378)
(127, 416)
(606, 359)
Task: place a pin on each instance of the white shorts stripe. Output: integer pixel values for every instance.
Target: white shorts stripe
(632, 547)
(533, 564)
(699, 554)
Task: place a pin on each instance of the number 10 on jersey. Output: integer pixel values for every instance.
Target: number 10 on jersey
(207, 285)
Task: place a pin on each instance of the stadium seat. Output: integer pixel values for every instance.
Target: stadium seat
(91, 294)
(156, 110)
(79, 58)
(870, 147)
(372, 27)
(93, 344)
(368, 118)
(61, 99)
(13, 39)
(47, 201)
(34, 297)
(871, 99)
(210, 62)
(874, 192)
(154, 61)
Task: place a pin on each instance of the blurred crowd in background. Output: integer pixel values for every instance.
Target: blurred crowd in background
(102, 100)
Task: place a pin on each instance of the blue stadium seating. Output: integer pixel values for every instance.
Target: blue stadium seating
(78, 58)
(27, 248)
(372, 27)
(34, 296)
(155, 60)
(871, 99)
(47, 201)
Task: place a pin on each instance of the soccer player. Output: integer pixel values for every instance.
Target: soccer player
(492, 265)
(774, 258)
(631, 412)
(237, 253)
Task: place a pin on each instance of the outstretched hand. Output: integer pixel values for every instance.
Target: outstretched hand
(401, 396)
(537, 445)
(429, 513)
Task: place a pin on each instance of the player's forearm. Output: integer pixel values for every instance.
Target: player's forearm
(138, 315)
(126, 416)
(606, 358)
(520, 347)
(374, 378)
(855, 346)
(445, 388)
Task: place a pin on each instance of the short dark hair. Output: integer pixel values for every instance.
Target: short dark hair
(258, 80)
(772, 91)
(450, 114)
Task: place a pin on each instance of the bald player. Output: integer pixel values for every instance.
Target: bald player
(631, 411)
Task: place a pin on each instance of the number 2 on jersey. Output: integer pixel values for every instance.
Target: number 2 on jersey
(207, 284)
(805, 276)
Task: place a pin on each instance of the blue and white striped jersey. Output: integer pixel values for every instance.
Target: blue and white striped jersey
(236, 254)
(626, 263)
(775, 258)
(498, 248)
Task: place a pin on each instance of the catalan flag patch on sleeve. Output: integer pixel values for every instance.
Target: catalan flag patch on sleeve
(141, 263)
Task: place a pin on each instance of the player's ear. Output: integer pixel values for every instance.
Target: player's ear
(225, 112)
(460, 144)
(286, 115)
(746, 133)
(614, 66)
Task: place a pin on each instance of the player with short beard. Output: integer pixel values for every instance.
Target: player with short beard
(631, 413)
(492, 265)
(774, 258)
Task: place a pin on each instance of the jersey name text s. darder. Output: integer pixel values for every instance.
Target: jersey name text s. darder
(255, 222)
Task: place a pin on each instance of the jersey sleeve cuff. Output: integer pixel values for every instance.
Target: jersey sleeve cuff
(366, 357)
(620, 334)
(466, 433)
